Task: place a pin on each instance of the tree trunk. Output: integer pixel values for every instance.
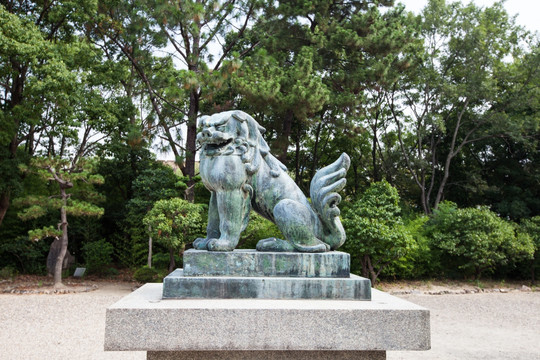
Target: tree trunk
(316, 149)
(63, 225)
(172, 263)
(376, 175)
(372, 274)
(533, 279)
(363, 260)
(191, 144)
(477, 273)
(297, 159)
(149, 263)
(4, 204)
(281, 145)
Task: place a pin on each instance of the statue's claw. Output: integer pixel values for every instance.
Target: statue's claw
(274, 244)
(201, 243)
(221, 245)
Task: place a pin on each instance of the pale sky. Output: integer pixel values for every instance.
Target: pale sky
(527, 11)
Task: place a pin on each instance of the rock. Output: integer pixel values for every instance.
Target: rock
(525, 288)
(54, 250)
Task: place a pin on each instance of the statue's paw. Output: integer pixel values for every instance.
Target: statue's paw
(274, 244)
(221, 245)
(316, 248)
(201, 243)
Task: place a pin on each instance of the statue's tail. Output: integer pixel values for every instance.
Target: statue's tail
(325, 198)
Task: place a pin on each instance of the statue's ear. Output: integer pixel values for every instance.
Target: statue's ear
(202, 121)
(255, 134)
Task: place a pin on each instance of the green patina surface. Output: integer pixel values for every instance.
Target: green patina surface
(178, 286)
(252, 263)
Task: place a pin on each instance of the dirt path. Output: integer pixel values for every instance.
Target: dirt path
(469, 326)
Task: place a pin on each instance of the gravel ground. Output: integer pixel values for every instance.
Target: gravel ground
(470, 326)
(480, 326)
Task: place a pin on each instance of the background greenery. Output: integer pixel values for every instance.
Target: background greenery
(438, 111)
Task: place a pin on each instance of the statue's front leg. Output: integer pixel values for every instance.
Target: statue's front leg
(212, 229)
(232, 207)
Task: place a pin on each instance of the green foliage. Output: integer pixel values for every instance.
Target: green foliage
(162, 260)
(151, 185)
(258, 228)
(175, 222)
(531, 229)
(420, 260)
(376, 236)
(475, 239)
(8, 273)
(443, 105)
(45, 232)
(97, 256)
(146, 275)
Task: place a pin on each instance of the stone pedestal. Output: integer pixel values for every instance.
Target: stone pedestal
(252, 263)
(264, 329)
(266, 355)
(250, 274)
(251, 305)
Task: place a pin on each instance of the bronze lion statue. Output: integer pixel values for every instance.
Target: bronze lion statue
(241, 174)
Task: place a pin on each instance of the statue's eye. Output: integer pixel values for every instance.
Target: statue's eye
(220, 127)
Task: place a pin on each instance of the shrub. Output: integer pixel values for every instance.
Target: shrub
(175, 223)
(98, 254)
(161, 260)
(146, 275)
(258, 228)
(474, 239)
(376, 236)
(419, 260)
(8, 272)
(531, 227)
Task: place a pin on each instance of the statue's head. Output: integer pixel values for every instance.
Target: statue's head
(236, 133)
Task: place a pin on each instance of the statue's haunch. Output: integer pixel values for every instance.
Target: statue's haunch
(241, 174)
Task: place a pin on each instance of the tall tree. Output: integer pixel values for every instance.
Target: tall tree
(178, 83)
(35, 36)
(353, 49)
(65, 174)
(448, 99)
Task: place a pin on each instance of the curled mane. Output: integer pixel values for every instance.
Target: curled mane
(252, 143)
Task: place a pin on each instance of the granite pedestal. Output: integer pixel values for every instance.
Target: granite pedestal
(264, 329)
(251, 305)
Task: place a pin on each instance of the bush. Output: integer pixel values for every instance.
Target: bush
(376, 236)
(28, 257)
(8, 272)
(161, 260)
(420, 260)
(531, 227)
(146, 275)
(475, 240)
(98, 254)
(258, 228)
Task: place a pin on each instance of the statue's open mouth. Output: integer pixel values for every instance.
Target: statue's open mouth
(212, 148)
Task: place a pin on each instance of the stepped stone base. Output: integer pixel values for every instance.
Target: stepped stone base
(178, 286)
(250, 274)
(333, 264)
